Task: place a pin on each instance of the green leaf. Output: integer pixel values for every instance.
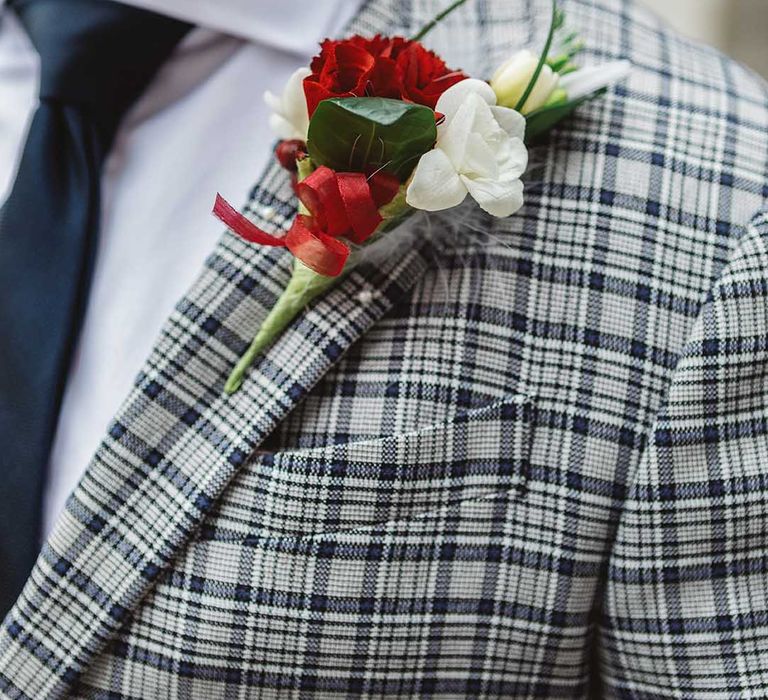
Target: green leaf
(365, 134)
(545, 118)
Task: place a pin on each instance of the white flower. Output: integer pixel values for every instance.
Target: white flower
(290, 117)
(511, 79)
(479, 151)
(585, 81)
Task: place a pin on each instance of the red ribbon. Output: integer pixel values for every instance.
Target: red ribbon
(340, 205)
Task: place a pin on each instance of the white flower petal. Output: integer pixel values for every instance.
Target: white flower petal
(280, 126)
(479, 158)
(511, 121)
(453, 137)
(295, 102)
(291, 118)
(479, 149)
(513, 77)
(512, 157)
(497, 198)
(435, 185)
(585, 81)
(485, 122)
(516, 63)
(274, 102)
(545, 85)
(452, 99)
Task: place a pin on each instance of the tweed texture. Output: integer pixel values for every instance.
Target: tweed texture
(519, 461)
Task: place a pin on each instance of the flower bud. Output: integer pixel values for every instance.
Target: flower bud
(288, 152)
(512, 77)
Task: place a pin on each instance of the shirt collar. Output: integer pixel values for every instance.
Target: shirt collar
(295, 26)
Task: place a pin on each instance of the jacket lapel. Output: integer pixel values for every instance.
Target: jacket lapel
(178, 440)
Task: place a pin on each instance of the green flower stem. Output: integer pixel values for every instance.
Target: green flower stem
(439, 18)
(555, 24)
(303, 287)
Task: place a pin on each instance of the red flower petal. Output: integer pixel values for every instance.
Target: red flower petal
(315, 93)
(378, 67)
(424, 75)
(384, 80)
(353, 65)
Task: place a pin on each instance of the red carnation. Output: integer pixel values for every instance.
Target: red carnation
(350, 68)
(378, 67)
(424, 75)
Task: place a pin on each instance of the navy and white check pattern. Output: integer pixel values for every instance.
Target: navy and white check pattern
(531, 464)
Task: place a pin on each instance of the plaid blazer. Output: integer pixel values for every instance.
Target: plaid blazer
(531, 463)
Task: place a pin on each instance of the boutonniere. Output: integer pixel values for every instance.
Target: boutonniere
(378, 128)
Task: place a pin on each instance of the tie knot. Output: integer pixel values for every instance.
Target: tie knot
(101, 54)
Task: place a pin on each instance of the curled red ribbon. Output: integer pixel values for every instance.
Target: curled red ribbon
(340, 205)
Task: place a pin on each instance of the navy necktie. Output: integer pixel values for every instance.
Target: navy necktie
(96, 58)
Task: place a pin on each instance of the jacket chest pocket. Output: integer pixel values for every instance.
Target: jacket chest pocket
(474, 455)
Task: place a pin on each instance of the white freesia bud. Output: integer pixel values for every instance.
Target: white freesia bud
(479, 151)
(585, 81)
(290, 117)
(511, 79)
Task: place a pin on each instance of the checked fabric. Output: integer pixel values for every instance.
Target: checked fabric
(525, 461)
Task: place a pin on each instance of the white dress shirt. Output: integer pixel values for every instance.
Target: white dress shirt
(200, 128)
